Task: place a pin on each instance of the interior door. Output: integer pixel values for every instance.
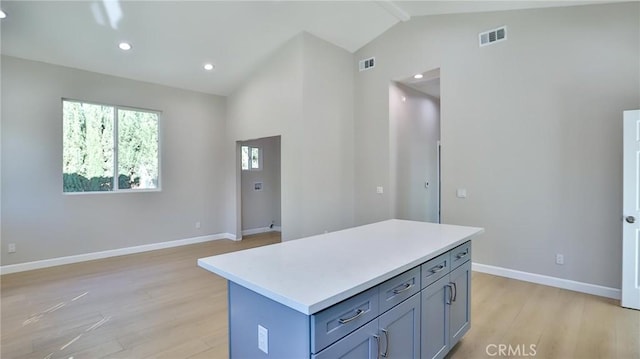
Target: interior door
(631, 211)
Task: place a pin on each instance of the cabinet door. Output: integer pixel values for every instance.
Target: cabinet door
(361, 344)
(400, 330)
(460, 304)
(435, 319)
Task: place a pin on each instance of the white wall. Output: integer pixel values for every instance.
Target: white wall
(268, 104)
(305, 94)
(44, 223)
(327, 149)
(531, 127)
(414, 132)
(262, 208)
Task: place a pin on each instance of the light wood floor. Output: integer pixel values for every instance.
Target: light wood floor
(161, 305)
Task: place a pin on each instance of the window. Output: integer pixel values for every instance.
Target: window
(102, 143)
(251, 158)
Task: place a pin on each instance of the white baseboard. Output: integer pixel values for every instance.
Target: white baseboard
(232, 237)
(582, 287)
(45, 263)
(248, 232)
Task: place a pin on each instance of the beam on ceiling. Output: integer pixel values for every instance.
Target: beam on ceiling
(394, 9)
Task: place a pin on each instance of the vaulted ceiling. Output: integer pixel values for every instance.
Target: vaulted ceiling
(172, 40)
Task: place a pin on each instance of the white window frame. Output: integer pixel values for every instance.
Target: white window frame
(250, 148)
(116, 183)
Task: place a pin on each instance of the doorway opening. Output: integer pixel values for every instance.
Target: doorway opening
(414, 129)
(260, 182)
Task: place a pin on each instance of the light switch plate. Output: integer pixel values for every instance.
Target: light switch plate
(461, 193)
(379, 190)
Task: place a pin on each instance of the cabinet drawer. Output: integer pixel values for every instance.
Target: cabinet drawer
(460, 255)
(435, 269)
(362, 343)
(399, 288)
(341, 319)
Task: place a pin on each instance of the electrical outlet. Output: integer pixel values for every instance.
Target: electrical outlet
(12, 248)
(263, 339)
(559, 259)
(197, 225)
(379, 190)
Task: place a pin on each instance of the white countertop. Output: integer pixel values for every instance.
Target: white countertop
(313, 273)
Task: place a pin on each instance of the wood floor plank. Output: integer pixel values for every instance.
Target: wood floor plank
(155, 302)
(527, 327)
(216, 352)
(100, 350)
(161, 305)
(184, 350)
(627, 333)
(560, 335)
(597, 334)
(561, 324)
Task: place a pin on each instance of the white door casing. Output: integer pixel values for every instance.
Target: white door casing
(631, 211)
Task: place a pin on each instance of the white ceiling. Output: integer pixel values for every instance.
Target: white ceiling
(430, 87)
(172, 40)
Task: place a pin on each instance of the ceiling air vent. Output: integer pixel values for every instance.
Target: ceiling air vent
(367, 64)
(493, 36)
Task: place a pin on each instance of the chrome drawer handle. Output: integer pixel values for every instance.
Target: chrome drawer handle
(359, 312)
(463, 254)
(405, 288)
(438, 269)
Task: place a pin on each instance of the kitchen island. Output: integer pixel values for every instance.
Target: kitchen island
(361, 292)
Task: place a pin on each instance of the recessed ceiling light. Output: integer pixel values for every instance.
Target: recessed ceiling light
(124, 46)
(2, 14)
(417, 76)
(209, 67)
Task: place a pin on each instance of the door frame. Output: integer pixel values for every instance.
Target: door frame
(630, 292)
(410, 82)
(238, 181)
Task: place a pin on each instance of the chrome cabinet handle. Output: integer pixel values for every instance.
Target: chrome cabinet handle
(437, 269)
(405, 288)
(630, 219)
(455, 291)
(386, 338)
(462, 254)
(359, 312)
(448, 300)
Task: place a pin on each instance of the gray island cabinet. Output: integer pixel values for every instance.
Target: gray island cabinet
(392, 289)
